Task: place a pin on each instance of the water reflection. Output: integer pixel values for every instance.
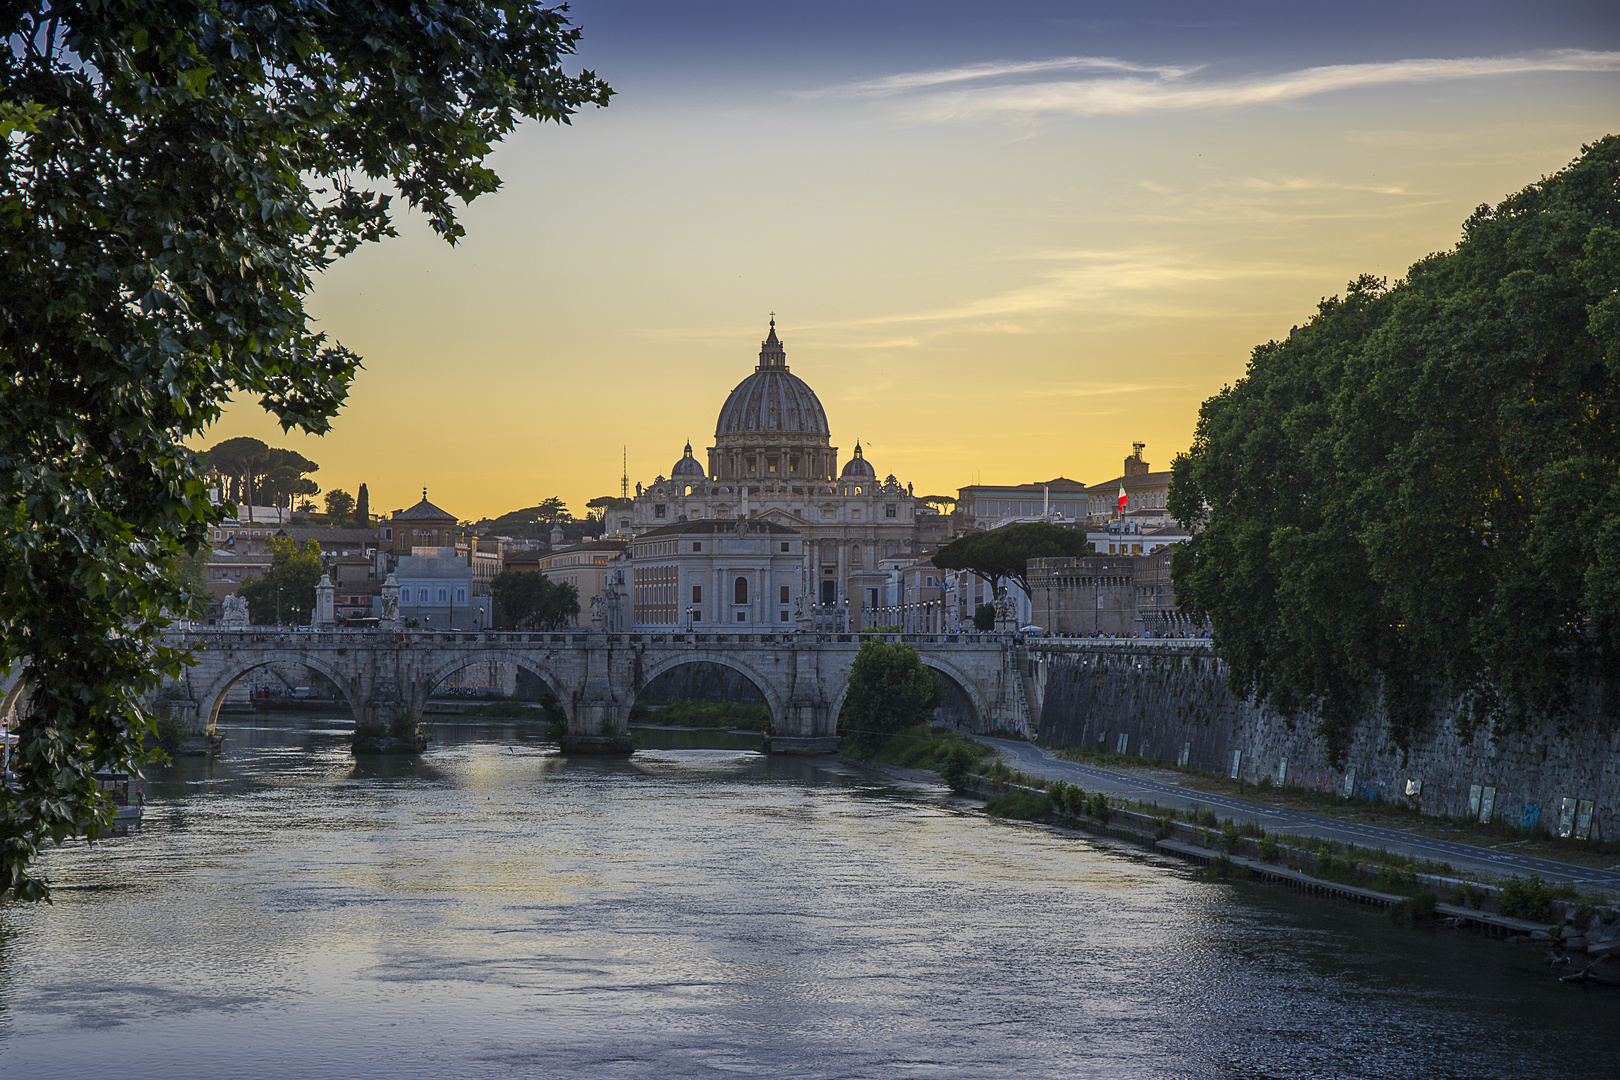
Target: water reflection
(496, 909)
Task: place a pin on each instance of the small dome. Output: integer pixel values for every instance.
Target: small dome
(858, 466)
(687, 466)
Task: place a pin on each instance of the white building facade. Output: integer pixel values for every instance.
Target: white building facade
(717, 575)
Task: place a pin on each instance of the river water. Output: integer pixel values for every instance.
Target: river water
(494, 910)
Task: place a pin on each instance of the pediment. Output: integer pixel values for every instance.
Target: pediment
(779, 516)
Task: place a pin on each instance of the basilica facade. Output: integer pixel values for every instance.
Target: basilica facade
(773, 462)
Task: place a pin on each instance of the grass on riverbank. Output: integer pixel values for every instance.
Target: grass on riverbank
(952, 755)
(1496, 835)
(708, 714)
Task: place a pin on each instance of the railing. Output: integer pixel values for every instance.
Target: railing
(271, 637)
(1091, 644)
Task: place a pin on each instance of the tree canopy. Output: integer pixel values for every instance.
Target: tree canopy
(339, 506)
(890, 690)
(250, 470)
(531, 601)
(1004, 553)
(172, 175)
(1416, 496)
(286, 592)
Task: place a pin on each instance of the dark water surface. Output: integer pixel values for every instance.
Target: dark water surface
(495, 910)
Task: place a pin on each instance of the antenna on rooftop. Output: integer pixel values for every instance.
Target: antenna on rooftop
(624, 477)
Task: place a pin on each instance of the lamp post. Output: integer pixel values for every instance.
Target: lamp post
(278, 607)
(480, 625)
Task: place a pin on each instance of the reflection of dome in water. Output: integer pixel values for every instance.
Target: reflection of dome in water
(688, 466)
(772, 400)
(858, 466)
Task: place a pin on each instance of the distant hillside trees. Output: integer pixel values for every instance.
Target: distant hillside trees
(1416, 495)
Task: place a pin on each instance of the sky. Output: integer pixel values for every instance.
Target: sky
(1002, 241)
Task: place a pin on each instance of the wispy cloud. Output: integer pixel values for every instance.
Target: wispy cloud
(928, 80)
(1123, 88)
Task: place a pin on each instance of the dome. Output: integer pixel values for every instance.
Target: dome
(858, 466)
(687, 466)
(772, 400)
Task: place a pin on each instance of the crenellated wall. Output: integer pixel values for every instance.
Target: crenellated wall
(1168, 700)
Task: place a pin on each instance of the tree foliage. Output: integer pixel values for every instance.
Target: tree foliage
(286, 592)
(1005, 552)
(362, 509)
(172, 174)
(255, 473)
(1417, 495)
(890, 690)
(339, 506)
(531, 601)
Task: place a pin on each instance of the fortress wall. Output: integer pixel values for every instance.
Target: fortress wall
(1165, 704)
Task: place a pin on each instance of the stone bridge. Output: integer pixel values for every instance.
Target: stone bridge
(387, 677)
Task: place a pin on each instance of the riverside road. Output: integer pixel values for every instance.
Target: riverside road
(1462, 857)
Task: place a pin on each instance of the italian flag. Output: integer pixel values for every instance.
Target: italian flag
(1122, 497)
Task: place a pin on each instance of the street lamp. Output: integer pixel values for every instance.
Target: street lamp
(278, 607)
(480, 625)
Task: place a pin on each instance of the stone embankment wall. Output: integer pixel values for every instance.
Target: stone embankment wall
(1177, 709)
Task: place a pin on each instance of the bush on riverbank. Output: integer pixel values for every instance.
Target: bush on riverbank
(1419, 908)
(1018, 804)
(1528, 898)
(711, 714)
(951, 755)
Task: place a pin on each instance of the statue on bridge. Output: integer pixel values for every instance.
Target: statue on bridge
(235, 612)
(390, 603)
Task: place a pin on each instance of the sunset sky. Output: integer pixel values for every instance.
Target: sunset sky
(1002, 241)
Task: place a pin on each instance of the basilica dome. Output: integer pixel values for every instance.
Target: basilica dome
(688, 466)
(772, 401)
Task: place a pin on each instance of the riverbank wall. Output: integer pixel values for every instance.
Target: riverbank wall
(1173, 706)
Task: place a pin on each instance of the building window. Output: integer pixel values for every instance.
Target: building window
(855, 512)
(742, 616)
(422, 595)
(784, 545)
(740, 589)
(697, 616)
(461, 596)
(658, 510)
(871, 598)
(444, 596)
(697, 545)
(697, 594)
(784, 616)
(784, 594)
(888, 511)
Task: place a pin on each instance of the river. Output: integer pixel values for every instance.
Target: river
(494, 910)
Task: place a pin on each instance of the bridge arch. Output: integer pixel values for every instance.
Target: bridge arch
(519, 659)
(214, 691)
(764, 683)
(969, 687)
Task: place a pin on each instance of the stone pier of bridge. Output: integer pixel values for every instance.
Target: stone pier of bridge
(387, 677)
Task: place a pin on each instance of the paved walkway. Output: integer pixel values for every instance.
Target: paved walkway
(1463, 857)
